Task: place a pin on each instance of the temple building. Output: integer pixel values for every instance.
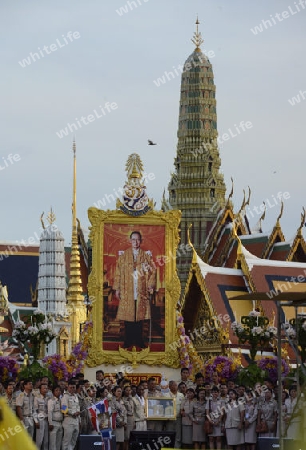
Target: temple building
(51, 298)
(228, 256)
(197, 187)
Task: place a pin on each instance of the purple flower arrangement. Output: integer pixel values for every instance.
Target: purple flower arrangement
(63, 369)
(269, 364)
(225, 367)
(8, 368)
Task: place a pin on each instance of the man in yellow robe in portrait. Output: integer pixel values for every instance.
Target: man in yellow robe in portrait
(134, 284)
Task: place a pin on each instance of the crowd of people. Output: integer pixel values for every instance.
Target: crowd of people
(210, 415)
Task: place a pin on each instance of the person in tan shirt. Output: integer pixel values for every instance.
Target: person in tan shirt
(41, 417)
(25, 407)
(139, 411)
(55, 419)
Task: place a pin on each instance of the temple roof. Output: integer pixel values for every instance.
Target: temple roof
(19, 271)
(272, 276)
(210, 290)
(207, 295)
(220, 247)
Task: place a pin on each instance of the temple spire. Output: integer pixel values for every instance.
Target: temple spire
(76, 305)
(197, 39)
(74, 223)
(197, 185)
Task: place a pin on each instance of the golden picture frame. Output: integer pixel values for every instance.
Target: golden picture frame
(107, 233)
(160, 408)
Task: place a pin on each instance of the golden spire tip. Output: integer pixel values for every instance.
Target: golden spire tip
(197, 38)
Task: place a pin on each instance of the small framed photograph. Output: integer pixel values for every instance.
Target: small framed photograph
(160, 408)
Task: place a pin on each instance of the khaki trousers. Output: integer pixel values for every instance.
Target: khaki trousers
(56, 436)
(71, 433)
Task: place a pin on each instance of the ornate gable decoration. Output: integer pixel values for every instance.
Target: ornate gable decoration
(135, 201)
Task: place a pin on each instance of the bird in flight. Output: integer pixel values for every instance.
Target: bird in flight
(151, 142)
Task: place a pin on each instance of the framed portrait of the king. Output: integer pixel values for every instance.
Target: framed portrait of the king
(161, 408)
(134, 287)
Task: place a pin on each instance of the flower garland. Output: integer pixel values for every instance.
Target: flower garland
(226, 368)
(270, 365)
(188, 355)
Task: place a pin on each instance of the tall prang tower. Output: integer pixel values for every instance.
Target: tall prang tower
(196, 187)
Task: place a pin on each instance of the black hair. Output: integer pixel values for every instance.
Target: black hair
(235, 392)
(136, 232)
(198, 375)
(56, 386)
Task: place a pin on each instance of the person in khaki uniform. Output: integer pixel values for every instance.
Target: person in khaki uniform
(25, 407)
(41, 417)
(154, 425)
(55, 419)
(139, 410)
(10, 395)
(176, 425)
(71, 408)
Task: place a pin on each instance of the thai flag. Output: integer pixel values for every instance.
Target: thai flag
(106, 438)
(113, 420)
(102, 406)
(93, 415)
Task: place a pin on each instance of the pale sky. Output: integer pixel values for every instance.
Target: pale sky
(116, 58)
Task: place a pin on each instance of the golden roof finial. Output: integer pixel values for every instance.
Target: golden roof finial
(235, 234)
(41, 220)
(262, 217)
(249, 197)
(242, 206)
(280, 215)
(194, 253)
(51, 217)
(197, 39)
(231, 193)
(303, 216)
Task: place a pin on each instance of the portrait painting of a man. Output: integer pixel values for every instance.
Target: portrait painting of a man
(134, 284)
(134, 295)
